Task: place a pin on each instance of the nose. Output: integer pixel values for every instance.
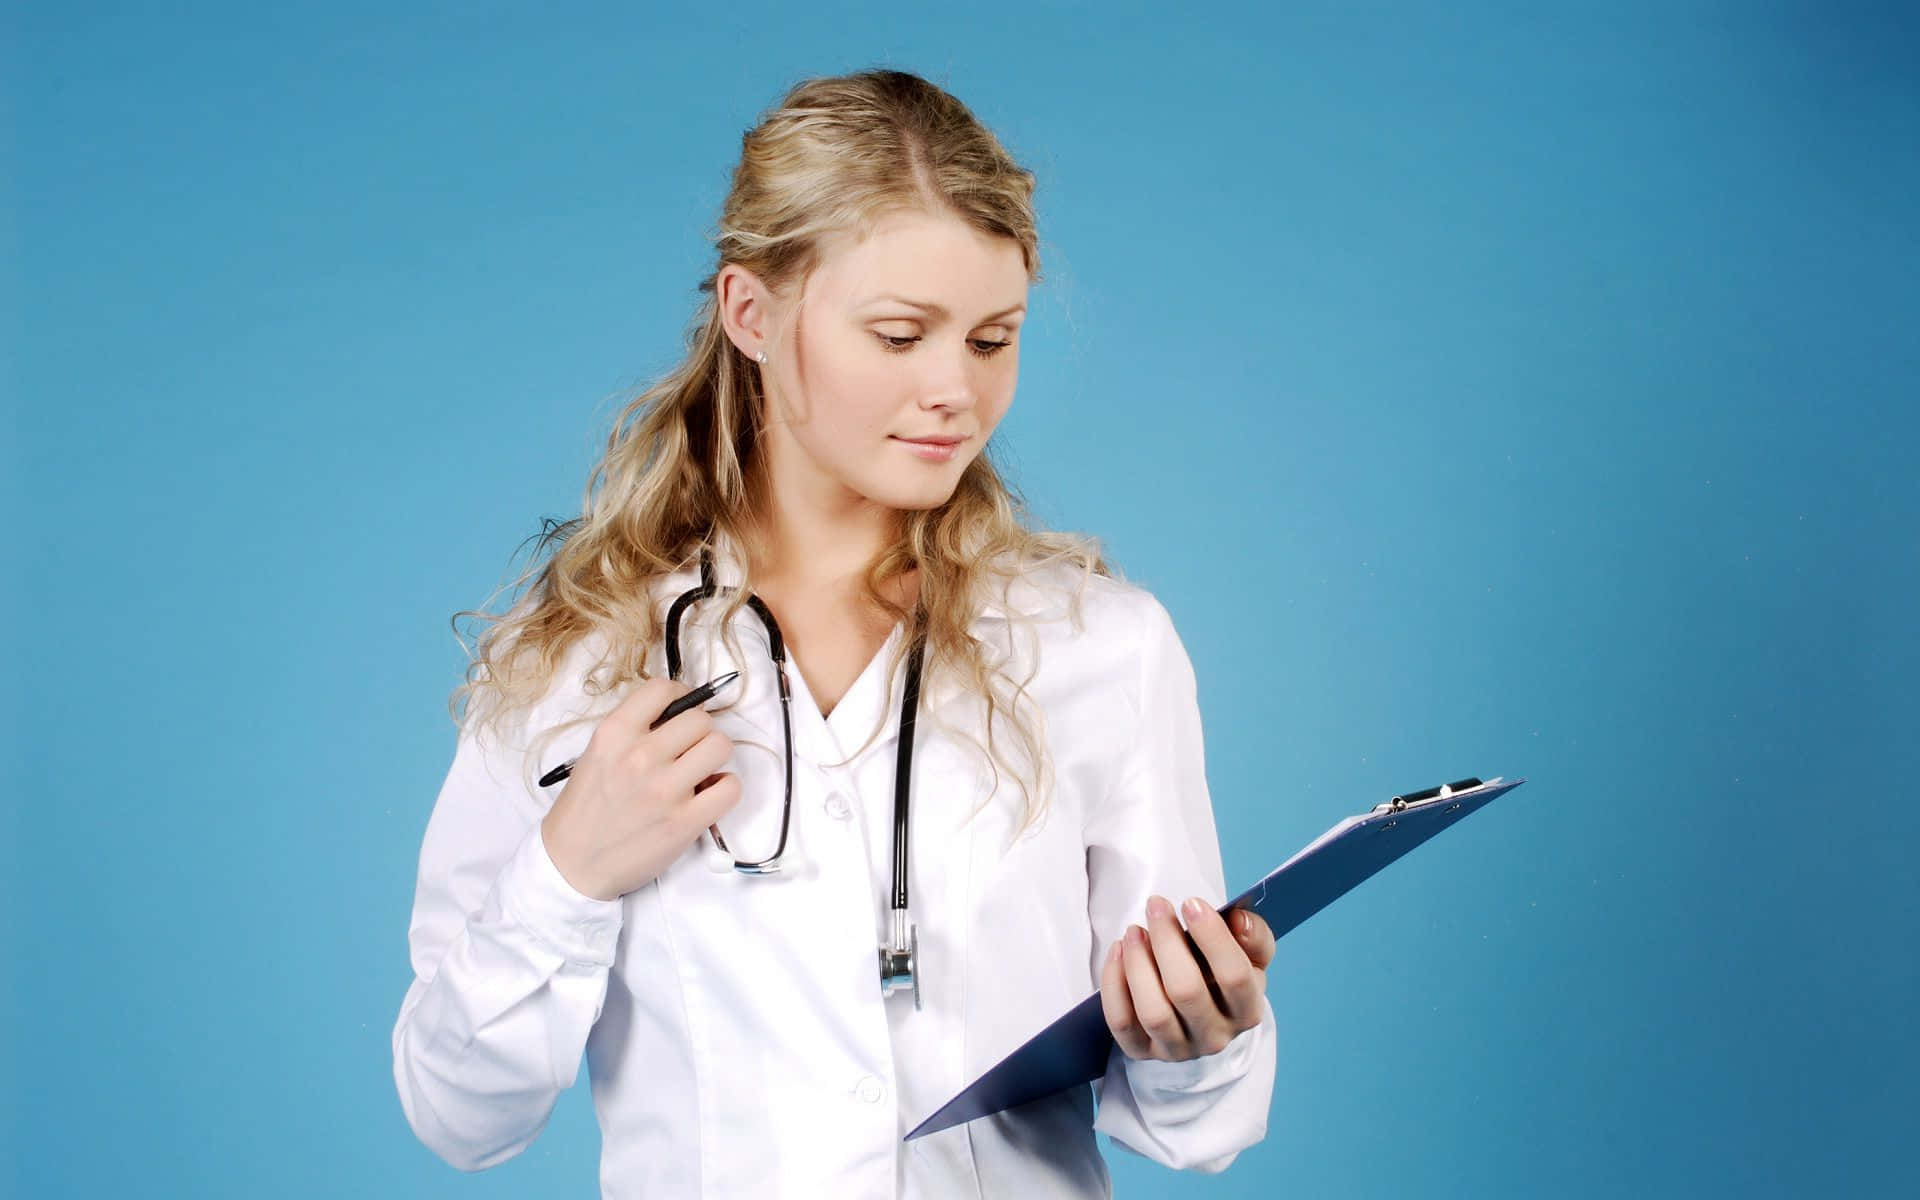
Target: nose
(951, 384)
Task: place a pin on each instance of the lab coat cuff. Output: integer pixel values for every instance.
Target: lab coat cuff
(538, 898)
(1156, 1077)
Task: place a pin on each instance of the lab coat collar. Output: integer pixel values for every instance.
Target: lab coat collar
(727, 572)
(870, 700)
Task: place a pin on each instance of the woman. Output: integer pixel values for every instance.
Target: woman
(822, 449)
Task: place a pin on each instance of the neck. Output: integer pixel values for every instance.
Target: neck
(798, 553)
(810, 539)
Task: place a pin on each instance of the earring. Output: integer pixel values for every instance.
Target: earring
(763, 356)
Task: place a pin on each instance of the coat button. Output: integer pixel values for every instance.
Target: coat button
(869, 1089)
(838, 808)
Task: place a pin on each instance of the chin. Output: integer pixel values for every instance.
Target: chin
(913, 499)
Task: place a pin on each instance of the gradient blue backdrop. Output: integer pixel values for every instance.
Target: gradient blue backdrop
(1485, 391)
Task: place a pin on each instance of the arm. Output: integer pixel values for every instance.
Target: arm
(1154, 835)
(510, 968)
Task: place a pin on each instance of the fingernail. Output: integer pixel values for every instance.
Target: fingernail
(1136, 935)
(1244, 921)
(1195, 906)
(1158, 907)
(1113, 953)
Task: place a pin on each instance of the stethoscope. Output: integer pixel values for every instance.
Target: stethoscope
(900, 956)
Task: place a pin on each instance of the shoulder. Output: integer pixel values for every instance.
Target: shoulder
(1066, 601)
(564, 683)
(1099, 654)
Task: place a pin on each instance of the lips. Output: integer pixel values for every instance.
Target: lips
(930, 450)
(933, 441)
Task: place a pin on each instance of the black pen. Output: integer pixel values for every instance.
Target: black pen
(680, 704)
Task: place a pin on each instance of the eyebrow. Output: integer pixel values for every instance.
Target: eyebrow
(937, 310)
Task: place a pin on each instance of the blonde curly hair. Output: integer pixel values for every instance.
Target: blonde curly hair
(835, 155)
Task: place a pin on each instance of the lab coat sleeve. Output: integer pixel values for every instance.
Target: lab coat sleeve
(1154, 834)
(510, 967)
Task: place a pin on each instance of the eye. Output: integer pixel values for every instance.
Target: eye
(981, 347)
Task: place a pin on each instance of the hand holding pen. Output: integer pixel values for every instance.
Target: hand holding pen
(699, 695)
(647, 786)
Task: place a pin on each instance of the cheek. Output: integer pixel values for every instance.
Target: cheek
(994, 405)
(850, 392)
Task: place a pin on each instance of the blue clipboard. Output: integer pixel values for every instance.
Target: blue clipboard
(1074, 1049)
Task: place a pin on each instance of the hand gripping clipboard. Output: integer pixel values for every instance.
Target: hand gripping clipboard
(1075, 1048)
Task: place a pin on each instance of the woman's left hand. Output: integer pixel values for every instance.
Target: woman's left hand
(1156, 1001)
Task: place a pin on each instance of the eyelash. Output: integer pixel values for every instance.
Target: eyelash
(889, 345)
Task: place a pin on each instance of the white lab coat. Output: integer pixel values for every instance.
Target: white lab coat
(737, 1040)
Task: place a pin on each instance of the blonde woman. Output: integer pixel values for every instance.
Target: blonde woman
(956, 785)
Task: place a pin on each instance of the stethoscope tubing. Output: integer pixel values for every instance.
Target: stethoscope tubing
(777, 651)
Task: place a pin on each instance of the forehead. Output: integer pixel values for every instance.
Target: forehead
(936, 258)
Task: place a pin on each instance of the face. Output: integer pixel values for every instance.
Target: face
(912, 333)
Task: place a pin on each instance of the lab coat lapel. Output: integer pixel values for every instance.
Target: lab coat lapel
(871, 703)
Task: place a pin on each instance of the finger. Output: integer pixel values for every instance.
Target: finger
(674, 739)
(641, 706)
(1117, 1006)
(700, 762)
(1240, 983)
(1208, 1028)
(1150, 1004)
(714, 801)
(1255, 935)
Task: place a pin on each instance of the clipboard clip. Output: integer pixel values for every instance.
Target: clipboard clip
(1432, 795)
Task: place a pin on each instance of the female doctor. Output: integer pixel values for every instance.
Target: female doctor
(957, 784)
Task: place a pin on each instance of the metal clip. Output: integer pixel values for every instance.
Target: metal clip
(1415, 799)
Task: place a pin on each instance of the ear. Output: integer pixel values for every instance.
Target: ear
(745, 307)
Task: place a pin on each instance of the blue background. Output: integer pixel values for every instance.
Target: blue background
(1491, 391)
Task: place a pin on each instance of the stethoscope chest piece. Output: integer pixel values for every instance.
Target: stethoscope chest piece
(900, 964)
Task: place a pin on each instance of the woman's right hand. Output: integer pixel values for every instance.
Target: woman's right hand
(638, 797)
